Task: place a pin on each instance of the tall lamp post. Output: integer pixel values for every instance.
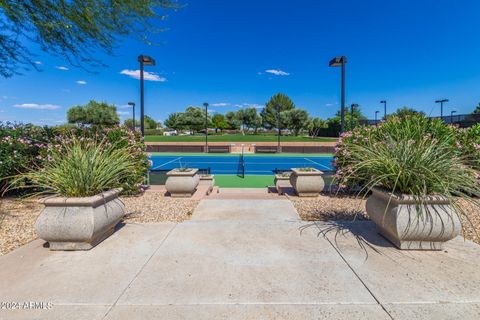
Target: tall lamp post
(376, 112)
(352, 109)
(205, 104)
(340, 62)
(384, 109)
(133, 113)
(277, 107)
(144, 61)
(442, 101)
(451, 116)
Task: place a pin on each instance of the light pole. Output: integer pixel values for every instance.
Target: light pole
(376, 112)
(277, 107)
(144, 61)
(384, 109)
(442, 101)
(352, 108)
(451, 116)
(340, 62)
(133, 113)
(205, 104)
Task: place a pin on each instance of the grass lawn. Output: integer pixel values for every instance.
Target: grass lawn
(250, 181)
(236, 138)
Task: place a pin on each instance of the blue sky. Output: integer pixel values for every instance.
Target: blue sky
(235, 54)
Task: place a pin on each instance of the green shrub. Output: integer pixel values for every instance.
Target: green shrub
(411, 155)
(80, 168)
(469, 145)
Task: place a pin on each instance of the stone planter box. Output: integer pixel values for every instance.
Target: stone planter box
(282, 182)
(182, 183)
(79, 223)
(409, 224)
(208, 180)
(307, 183)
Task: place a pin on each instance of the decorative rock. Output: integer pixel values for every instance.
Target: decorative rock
(412, 223)
(307, 182)
(79, 223)
(182, 183)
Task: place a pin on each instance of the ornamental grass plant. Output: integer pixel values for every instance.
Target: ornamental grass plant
(413, 155)
(80, 168)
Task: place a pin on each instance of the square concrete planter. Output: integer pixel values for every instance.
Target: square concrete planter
(182, 182)
(79, 223)
(412, 224)
(307, 182)
(208, 180)
(282, 181)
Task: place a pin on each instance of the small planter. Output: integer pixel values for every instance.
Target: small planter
(412, 224)
(208, 180)
(282, 181)
(79, 223)
(307, 182)
(182, 182)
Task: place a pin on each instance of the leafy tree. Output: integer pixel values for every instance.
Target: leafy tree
(295, 120)
(406, 111)
(232, 120)
(129, 123)
(148, 122)
(314, 125)
(193, 119)
(247, 118)
(257, 123)
(477, 109)
(94, 113)
(173, 121)
(72, 30)
(334, 124)
(219, 122)
(277, 103)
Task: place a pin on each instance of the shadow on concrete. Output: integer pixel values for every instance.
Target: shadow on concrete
(364, 233)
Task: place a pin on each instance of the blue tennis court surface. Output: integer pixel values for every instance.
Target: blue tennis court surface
(231, 164)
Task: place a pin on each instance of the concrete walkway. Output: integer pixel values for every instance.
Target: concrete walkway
(243, 259)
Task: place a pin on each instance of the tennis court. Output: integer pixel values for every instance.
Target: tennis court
(231, 164)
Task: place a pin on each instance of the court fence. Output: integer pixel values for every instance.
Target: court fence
(227, 149)
(461, 120)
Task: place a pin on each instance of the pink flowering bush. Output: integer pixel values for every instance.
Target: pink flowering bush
(412, 155)
(26, 147)
(20, 146)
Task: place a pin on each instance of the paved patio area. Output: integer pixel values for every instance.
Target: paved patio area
(239, 259)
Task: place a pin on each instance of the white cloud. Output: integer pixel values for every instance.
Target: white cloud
(37, 106)
(256, 106)
(81, 82)
(38, 62)
(221, 104)
(123, 113)
(211, 111)
(148, 76)
(250, 105)
(277, 72)
(62, 68)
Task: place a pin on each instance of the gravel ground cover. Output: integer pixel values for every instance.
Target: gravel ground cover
(17, 217)
(344, 207)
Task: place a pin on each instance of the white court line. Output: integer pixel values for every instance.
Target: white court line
(319, 164)
(166, 163)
